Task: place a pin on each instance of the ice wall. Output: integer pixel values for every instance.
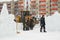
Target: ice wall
(53, 22)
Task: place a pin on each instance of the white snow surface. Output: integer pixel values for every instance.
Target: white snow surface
(8, 28)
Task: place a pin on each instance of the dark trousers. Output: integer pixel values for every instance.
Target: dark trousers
(31, 27)
(42, 27)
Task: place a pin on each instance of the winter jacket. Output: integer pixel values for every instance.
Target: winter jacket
(42, 21)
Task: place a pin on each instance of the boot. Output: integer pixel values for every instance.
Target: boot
(44, 31)
(40, 30)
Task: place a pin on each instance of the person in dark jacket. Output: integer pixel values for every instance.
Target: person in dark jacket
(42, 23)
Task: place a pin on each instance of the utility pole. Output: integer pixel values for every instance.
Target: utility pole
(12, 6)
(59, 6)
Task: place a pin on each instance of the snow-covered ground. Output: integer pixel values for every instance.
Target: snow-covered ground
(29, 35)
(8, 28)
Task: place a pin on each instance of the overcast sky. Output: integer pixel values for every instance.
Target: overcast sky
(5, 0)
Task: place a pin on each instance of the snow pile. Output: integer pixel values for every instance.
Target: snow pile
(53, 22)
(7, 24)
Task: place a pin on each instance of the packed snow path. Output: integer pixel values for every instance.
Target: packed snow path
(31, 35)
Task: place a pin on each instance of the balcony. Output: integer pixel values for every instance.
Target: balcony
(54, 8)
(21, 6)
(43, 13)
(54, 0)
(20, 2)
(33, 1)
(42, 0)
(42, 5)
(54, 4)
(42, 9)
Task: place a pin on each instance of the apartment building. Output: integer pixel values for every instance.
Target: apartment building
(36, 7)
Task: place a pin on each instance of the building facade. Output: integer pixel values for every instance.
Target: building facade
(36, 7)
